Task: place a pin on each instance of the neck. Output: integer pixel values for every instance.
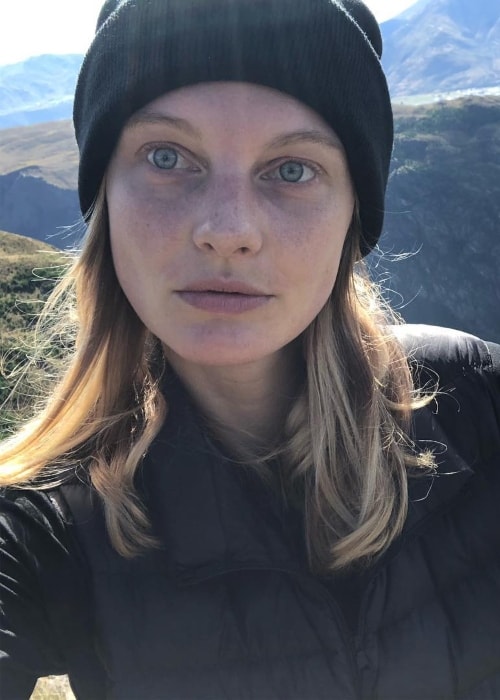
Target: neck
(245, 404)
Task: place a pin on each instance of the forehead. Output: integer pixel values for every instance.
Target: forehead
(232, 106)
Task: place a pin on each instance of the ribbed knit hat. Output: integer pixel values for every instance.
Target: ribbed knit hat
(325, 53)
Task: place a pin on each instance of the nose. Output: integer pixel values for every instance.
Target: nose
(229, 222)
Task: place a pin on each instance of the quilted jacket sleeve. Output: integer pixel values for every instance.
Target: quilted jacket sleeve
(32, 542)
(467, 406)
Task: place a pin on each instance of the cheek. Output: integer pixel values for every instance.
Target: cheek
(312, 263)
(312, 244)
(319, 272)
(143, 223)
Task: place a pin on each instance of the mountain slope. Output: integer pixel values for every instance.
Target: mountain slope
(49, 147)
(443, 204)
(39, 89)
(31, 206)
(13, 246)
(442, 46)
(38, 173)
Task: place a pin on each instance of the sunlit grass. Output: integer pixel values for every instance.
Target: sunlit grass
(28, 270)
(53, 688)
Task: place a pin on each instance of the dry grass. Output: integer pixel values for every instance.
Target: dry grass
(53, 688)
(48, 149)
(13, 245)
(28, 269)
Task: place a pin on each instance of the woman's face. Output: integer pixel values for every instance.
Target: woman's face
(228, 207)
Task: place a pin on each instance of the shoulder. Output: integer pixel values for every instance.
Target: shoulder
(34, 565)
(42, 521)
(39, 536)
(35, 535)
(30, 512)
(45, 605)
(38, 541)
(466, 372)
(448, 352)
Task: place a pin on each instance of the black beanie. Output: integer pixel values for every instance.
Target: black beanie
(325, 53)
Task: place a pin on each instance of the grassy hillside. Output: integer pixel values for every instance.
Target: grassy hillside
(48, 150)
(28, 270)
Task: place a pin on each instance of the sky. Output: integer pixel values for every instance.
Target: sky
(32, 27)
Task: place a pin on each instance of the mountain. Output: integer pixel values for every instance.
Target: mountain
(442, 224)
(50, 147)
(442, 46)
(39, 89)
(38, 166)
(32, 206)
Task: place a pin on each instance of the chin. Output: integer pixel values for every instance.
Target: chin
(219, 356)
(214, 351)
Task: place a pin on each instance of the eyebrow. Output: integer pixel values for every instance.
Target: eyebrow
(306, 136)
(144, 116)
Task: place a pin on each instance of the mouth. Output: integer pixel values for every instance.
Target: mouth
(223, 297)
(224, 287)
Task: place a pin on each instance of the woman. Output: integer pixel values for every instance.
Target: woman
(246, 483)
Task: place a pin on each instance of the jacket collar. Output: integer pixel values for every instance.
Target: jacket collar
(213, 516)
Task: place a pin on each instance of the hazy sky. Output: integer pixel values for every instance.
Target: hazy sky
(33, 27)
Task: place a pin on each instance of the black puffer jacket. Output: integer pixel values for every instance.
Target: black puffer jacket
(229, 610)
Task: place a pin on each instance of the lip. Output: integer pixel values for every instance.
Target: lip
(223, 296)
(224, 287)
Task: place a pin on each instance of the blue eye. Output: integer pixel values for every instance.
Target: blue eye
(292, 171)
(165, 158)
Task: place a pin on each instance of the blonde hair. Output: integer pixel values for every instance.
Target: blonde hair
(352, 451)
(345, 447)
